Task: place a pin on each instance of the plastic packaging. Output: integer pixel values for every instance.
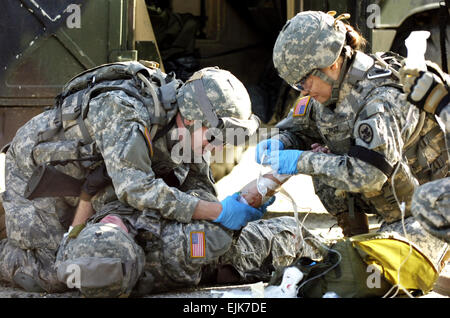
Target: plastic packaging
(260, 190)
(416, 44)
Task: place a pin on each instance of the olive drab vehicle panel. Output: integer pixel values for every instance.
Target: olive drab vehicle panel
(45, 43)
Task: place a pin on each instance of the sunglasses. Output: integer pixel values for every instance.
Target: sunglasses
(300, 85)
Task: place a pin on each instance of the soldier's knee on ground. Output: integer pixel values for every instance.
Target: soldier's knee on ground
(102, 261)
(31, 270)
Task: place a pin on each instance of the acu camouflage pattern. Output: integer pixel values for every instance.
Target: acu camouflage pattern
(308, 41)
(34, 228)
(116, 123)
(260, 247)
(431, 201)
(384, 110)
(226, 93)
(162, 190)
(101, 243)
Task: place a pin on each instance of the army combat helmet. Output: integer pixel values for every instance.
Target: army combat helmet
(107, 259)
(308, 42)
(220, 101)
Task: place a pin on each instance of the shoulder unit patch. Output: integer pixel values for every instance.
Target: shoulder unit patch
(301, 106)
(365, 132)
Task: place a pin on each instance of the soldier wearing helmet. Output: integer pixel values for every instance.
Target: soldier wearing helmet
(378, 145)
(122, 124)
(428, 88)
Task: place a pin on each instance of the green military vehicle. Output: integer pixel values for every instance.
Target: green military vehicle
(45, 43)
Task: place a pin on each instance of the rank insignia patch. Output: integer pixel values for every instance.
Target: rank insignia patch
(301, 105)
(198, 244)
(365, 133)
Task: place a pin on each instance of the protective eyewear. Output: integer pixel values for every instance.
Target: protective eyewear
(300, 85)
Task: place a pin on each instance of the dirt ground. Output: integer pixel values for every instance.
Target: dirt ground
(308, 204)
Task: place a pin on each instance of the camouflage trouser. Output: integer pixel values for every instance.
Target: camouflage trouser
(261, 246)
(335, 204)
(431, 207)
(34, 232)
(177, 254)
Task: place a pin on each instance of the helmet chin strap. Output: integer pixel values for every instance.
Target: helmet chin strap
(336, 84)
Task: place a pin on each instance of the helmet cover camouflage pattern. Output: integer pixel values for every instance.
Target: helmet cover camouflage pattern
(310, 40)
(227, 94)
(101, 249)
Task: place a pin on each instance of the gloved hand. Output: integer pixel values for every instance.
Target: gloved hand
(285, 161)
(424, 88)
(235, 214)
(263, 208)
(265, 147)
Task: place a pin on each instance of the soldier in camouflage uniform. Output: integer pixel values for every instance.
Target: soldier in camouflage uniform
(428, 89)
(132, 119)
(380, 147)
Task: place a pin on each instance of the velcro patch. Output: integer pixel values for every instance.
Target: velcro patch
(365, 133)
(148, 138)
(198, 244)
(301, 106)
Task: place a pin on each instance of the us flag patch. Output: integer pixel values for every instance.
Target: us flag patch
(198, 244)
(301, 105)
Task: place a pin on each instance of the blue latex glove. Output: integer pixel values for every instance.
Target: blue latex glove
(235, 214)
(266, 147)
(263, 208)
(285, 161)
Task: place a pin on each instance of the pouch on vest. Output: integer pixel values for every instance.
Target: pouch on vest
(90, 274)
(47, 181)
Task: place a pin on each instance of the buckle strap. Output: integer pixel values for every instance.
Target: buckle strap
(373, 158)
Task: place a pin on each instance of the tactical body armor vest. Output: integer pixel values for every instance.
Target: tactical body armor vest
(423, 156)
(66, 142)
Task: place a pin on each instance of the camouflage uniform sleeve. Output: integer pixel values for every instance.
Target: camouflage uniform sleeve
(299, 132)
(378, 129)
(118, 129)
(200, 183)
